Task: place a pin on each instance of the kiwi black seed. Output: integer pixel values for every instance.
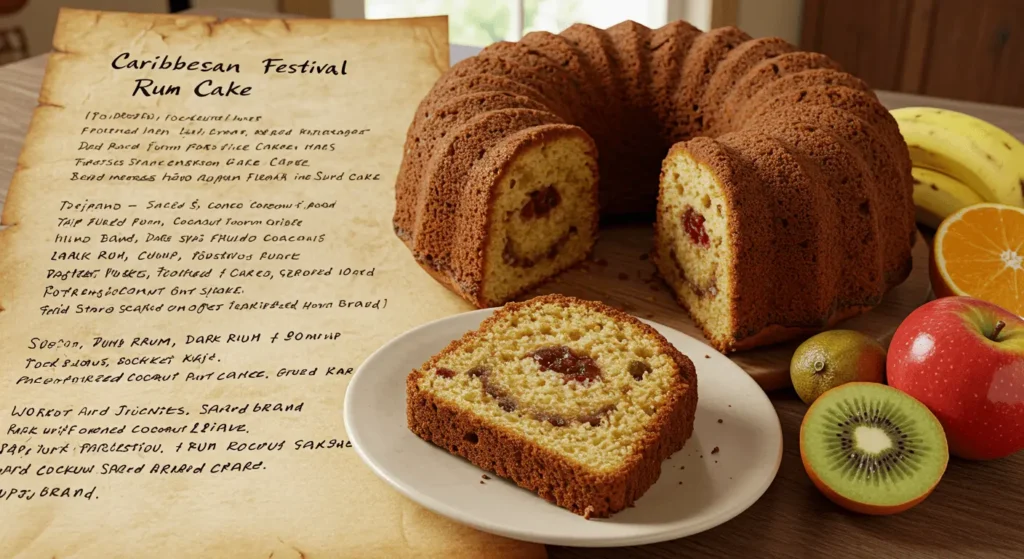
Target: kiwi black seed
(907, 448)
(873, 448)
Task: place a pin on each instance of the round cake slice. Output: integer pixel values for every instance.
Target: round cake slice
(571, 399)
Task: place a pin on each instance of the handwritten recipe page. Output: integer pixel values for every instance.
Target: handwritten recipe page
(198, 255)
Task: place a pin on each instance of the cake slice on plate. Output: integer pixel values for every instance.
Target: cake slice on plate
(571, 399)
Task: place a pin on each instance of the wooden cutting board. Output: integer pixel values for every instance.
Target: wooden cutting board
(620, 274)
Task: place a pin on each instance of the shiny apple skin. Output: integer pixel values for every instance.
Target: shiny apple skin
(941, 356)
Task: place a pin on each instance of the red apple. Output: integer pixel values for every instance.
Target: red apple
(964, 359)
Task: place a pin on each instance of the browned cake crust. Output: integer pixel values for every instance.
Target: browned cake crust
(532, 467)
(699, 67)
(669, 47)
(730, 70)
(789, 120)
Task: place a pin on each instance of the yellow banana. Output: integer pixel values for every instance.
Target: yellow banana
(937, 196)
(978, 154)
(1013, 148)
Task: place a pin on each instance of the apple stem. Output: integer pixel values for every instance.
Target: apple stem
(995, 332)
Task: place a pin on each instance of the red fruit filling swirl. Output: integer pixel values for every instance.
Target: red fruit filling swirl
(541, 203)
(445, 372)
(693, 223)
(565, 361)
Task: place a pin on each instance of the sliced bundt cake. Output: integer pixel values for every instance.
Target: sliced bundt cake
(784, 205)
(571, 399)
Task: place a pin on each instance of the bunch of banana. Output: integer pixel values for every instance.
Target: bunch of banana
(959, 160)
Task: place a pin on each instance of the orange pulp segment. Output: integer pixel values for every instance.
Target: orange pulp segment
(979, 251)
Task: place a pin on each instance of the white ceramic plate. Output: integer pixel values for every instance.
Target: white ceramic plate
(699, 488)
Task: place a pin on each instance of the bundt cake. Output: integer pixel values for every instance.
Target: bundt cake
(570, 399)
(783, 206)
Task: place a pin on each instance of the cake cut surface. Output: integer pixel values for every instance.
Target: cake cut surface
(787, 175)
(571, 399)
(694, 249)
(543, 215)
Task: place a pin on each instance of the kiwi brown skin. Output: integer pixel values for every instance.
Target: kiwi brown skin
(855, 506)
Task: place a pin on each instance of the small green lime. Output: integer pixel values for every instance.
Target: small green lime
(832, 358)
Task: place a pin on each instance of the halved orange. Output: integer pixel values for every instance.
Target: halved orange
(979, 251)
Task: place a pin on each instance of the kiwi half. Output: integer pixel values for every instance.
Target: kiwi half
(872, 449)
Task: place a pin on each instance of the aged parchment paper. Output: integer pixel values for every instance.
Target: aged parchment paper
(176, 266)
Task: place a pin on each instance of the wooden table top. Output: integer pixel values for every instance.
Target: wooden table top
(976, 510)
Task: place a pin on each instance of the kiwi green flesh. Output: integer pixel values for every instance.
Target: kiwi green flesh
(875, 445)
